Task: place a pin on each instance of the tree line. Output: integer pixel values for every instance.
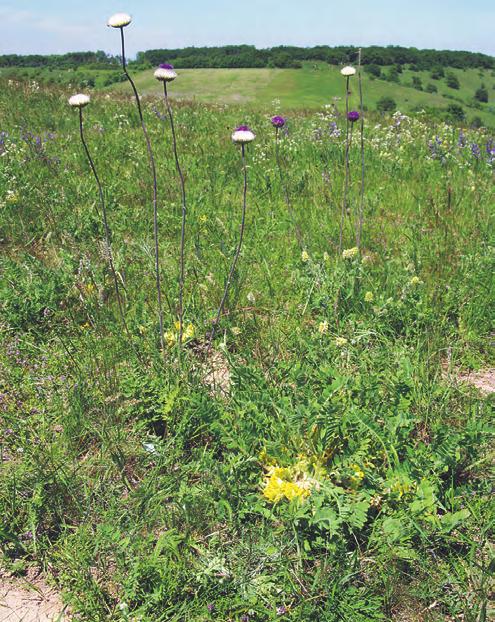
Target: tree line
(248, 56)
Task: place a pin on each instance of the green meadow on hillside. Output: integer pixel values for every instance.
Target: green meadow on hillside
(313, 86)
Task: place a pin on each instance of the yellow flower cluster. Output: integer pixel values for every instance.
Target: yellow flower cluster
(350, 253)
(323, 328)
(172, 336)
(369, 297)
(289, 483)
(357, 474)
(305, 256)
(341, 342)
(415, 281)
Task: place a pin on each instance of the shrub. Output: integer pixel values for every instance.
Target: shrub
(456, 112)
(437, 73)
(386, 104)
(373, 70)
(416, 83)
(452, 81)
(481, 94)
(431, 88)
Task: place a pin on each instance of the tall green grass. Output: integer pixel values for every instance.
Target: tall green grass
(140, 486)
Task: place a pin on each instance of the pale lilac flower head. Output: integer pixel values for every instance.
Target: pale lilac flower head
(278, 121)
(119, 20)
(243, 134)
(348, 71)
(165, 73)
(79, 101)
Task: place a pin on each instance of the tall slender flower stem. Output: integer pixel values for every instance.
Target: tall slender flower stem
(285, 188)
(184, 216)
(363, 170)
(237, 253)
(105, 223)
(155, 192)
(346, 185)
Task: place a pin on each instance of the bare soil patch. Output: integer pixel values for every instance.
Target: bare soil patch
(29, 600)
(484, 380)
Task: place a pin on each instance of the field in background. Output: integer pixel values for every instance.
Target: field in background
(311, 87)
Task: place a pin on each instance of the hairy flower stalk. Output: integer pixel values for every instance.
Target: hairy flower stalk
(121, 20)
(278, 123)
(242, 136)
(80, 101)
(347, 72)
(165, 73)
(363, 170)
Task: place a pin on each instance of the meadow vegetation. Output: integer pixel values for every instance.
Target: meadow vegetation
(317, 464)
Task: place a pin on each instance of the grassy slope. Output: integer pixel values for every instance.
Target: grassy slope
(311, 87)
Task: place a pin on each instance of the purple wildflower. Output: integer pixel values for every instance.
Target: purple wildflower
(462, 140)
(243, 128)
(244, 617)
(353, 116)
(278, 121)
(334, 131)
(282, 610)
(475, 150)
(210, 607)
(165, 66)
(490, 150)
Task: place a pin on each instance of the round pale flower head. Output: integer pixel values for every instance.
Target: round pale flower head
(165, 73)
(79, 101)
(348, 71)
(119, 20)
(243, 134)
(278, 121)
(353, 116)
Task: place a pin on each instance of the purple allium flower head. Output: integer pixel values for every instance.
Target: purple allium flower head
(165, 66)
(210, 607)
(243, 128)
(353, 116)
(282, 610)
(278, 121)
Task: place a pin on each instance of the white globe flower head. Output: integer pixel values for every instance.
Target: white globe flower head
(243, 135)
(165, 73)
(348, 71)
(79, 101)
(119, 20)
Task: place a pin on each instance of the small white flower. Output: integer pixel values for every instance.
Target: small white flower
(348, 71)
(243, 135)
(350, 253)
(119, 20)
(165, 75)
(79, 101)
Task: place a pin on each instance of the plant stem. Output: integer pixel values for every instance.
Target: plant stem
(285, 188)
(155, 193)
(184, 216)
(105, 223)
(346, 185)
(238, 251)
(363, 170)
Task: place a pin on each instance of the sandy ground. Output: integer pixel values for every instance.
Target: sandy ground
(29, 600)
(484, 381)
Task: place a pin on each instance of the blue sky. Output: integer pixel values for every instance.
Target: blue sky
(54, 26)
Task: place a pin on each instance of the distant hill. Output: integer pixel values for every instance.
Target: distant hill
(248, 56)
